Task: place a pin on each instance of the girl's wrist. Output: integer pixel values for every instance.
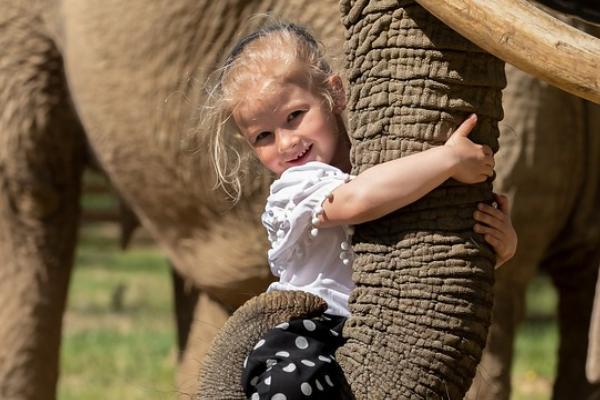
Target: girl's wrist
(450, 158)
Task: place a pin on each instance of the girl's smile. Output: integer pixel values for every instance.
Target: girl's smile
(288, 125)
(300, 158)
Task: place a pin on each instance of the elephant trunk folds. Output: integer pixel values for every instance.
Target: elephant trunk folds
(423, 300)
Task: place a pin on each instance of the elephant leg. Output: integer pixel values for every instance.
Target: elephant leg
(41, 161)
(573, 261)
(185, 300)
(575, 277)
(540, 171)
(493, 377)
(208, 317)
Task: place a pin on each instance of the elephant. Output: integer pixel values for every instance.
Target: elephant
(566, 209)
(421, 306)
(120, 84)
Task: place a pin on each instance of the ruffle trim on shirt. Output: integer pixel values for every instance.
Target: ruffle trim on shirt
(296, 199)
(345, 246)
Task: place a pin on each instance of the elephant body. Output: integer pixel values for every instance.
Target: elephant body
(124, 80)
(550, 143)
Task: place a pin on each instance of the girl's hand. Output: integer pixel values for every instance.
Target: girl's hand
(474, 163)
(496, 227)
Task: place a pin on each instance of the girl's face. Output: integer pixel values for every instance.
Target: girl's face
(289, 125)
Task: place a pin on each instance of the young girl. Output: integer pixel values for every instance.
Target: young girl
(277, 91)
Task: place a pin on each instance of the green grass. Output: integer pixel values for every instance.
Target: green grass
(100, 199)
(119, 340)
(536, 344)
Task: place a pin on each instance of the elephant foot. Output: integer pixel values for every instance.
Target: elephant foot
(220, 377)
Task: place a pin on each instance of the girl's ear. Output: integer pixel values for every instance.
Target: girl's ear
(338, 94)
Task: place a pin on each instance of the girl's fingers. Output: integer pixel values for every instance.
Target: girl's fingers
(486, 172)
(489, 216)
(467, 126)
(492, 236)
(496, 228)
(503, 203)
(493, 211)
(484, 230)
(494, 242)
(487, 150)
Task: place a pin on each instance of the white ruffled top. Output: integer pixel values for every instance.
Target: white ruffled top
(304, 257)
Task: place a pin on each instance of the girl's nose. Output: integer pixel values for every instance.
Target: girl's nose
(287, 141)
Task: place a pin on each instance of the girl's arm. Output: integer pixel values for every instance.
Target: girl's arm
(394, 184)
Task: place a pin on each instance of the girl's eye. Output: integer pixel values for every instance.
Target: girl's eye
(294, 115)
(261, 136)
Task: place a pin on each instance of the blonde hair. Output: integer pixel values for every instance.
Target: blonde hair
(276, 52)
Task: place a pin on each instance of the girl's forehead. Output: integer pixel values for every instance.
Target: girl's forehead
(261, 101)
(267, 95)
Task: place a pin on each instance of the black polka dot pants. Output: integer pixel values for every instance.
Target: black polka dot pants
(295, 360)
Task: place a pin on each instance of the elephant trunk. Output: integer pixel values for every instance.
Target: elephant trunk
(422, 304)
(221, 375)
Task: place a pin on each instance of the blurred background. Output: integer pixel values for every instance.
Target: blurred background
(119, 336)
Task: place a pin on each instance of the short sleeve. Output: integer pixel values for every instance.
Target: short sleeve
(292, 203)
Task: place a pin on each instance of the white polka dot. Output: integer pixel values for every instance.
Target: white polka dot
(270, 362)
(268, 381)
(279, 396)
(260, 343)
(326, 359)
(291, 367)
(308, 363)
(254, 381)
(318, 385)
(283, 325)
(328, 380)
(282, 354)
(334, 333)
(309, 325)
(306, 389)
(254, 396)
(301, 342)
